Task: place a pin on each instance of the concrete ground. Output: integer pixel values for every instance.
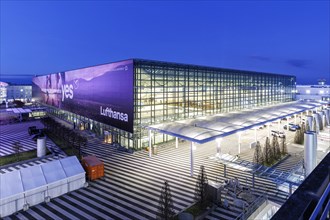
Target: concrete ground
(18, 132)
(133, 182)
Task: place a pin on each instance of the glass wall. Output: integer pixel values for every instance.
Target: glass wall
(165, 92)
(109, 133)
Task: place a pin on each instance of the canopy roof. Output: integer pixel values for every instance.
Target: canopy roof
(18, 110)
(208, 128)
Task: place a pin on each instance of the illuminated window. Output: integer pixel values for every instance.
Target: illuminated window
(308, 91)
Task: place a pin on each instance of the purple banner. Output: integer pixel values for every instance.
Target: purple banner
(103, 93)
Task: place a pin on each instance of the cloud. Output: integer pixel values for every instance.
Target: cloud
(298, 63)
(260, 58)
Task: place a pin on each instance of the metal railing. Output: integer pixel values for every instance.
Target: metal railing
(252, 207)
(323, 206)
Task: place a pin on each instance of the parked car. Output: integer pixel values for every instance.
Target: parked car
(292, 127)
(32, 130)
(278, 134)
(35, 137)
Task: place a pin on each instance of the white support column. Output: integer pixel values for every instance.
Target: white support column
(239, 142)
(310, 152)
(268, 130)
(255, 134)
(192, 158)
(176, 142)
(218, 140)
(150, 143)
(295, 119)
(287, 122)
(279, 125)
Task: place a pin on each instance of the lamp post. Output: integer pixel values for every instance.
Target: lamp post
(150, 143)
(192, 148)
(268, 130)
(239, 141)
(218, 140)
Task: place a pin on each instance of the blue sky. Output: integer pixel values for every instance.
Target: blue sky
(287, 37)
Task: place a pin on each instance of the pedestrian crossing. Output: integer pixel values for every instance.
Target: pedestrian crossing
(17, 132)
(8, 133)
(133, 182)
(291, 162)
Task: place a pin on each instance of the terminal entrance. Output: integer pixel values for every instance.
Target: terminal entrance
(110, 137)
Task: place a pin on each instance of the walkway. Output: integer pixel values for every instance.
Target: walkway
(133, 182)
(17, 132)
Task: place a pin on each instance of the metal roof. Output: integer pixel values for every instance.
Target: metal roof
(208, 128)
(18, 110)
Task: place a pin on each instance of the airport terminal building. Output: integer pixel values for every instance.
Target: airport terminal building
(117, 100)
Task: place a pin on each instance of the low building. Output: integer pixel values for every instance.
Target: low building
(321, 91)
(10, 92)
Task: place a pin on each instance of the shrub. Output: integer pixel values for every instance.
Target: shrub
(267, 152)
(201, 188)
(284, 149)
(258, 157)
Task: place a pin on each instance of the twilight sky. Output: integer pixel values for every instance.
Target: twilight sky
(287, 37)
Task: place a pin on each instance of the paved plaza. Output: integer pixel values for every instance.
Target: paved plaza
(17, 132)
(133, 182)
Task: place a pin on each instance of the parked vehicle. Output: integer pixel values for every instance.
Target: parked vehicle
(32, 130)
(39, 135)
(278, 134)
(292, 127)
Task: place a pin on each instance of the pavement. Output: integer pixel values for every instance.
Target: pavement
(133, 182)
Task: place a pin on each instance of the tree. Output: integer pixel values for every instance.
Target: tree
(308, 128)
(297, 138)
(314, 125)
(165, 207)
(80, 142)
(267, 152)
(273, 147)
(284, 149)
(17, 146)
(302, 133)
(201, 188)
(72, 140)
(258, 157)
(277, 150)
(319, 117)
(303, 128)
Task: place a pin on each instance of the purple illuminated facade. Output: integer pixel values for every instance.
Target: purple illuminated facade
(103, 93)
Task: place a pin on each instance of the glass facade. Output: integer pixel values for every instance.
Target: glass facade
(165, 92)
